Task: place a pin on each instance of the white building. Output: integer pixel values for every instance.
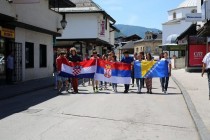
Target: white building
(176, 23)
(29, 30)
(90, 27)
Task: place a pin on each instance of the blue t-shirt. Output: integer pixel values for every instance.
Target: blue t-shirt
(127, 60)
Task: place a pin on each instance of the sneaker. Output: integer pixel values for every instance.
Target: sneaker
(166, 92)
(125, 91)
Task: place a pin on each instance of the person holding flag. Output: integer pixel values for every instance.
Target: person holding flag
(59, 61)
(148, 80)
(164, 80)
(95, 82)
(74, 57)
(139, 81)
(129, 60)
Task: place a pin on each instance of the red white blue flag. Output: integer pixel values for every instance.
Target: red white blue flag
(85, 69)
(113, 72)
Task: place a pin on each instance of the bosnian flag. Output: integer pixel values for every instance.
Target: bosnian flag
(150, 69)
(84, 69)
(113, 72)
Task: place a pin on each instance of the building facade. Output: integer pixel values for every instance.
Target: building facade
(90, 28)
(175, 25)
(150, 44)
(27, 32)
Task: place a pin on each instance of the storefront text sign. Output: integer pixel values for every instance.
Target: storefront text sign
(102, 28)
(8, 33)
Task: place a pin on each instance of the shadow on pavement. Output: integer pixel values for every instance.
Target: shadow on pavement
(23, 102)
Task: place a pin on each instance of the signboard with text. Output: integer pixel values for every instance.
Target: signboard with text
(196, 54)
(193, 17)
(102, 28)
(8, 33)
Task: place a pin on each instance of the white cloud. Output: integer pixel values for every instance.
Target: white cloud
(113, 5)
(133, 20)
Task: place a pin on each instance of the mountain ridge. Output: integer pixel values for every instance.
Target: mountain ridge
(128, 30)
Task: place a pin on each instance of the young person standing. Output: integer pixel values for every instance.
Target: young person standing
(95, 82)
(148, 80)
(74, 57)
(129, 60)
(61, 59)
(164, 80)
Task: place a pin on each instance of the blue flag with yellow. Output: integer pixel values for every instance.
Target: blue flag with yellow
(150, 69)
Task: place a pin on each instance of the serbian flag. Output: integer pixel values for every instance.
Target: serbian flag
(150, 69)
(85, 69)
(113, 72)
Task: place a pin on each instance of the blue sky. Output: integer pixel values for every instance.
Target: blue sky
(146, 13)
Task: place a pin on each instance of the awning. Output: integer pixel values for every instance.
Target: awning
(61, 3)
(204, 31)
(96, 41)
(188, 32)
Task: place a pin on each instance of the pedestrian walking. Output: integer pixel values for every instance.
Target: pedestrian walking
(148, 80)
(114, 85)
(206, 66)
(139, 81)
(10, 67)
(135, 57)
(74, 57)
(61, 59)
(160, 57)
(143, 58)
(86, 58)
(104, 57)
(94, 82)
(165, 80)
(129, 60)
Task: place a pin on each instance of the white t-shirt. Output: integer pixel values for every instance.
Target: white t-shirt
(206, 60)
(169, 62)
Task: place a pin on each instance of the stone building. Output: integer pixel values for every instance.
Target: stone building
(150, 44)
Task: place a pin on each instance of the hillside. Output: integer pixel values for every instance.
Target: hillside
(128, 30)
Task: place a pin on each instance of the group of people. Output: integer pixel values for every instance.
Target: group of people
(74, 57)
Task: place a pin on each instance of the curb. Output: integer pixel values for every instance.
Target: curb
(200, 126)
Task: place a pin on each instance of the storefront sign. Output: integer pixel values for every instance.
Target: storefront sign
(196, 54)
(8, 33)
(193, 17)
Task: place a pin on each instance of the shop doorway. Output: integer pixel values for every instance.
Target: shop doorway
(7, 46)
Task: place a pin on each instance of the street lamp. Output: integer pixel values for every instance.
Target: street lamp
(63, 23)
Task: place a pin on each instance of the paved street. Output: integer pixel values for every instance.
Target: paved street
(197, 88)
(41, 115)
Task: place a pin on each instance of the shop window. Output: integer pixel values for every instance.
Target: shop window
(174, 15)
(137, 50)
(29, 55)
(43, 55)
(194, 11)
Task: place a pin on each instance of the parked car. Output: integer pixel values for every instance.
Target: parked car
(2, 64)
(2, 61)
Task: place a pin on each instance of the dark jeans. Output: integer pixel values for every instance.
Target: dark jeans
(127, 87)
(164, 83)
(9, 76)
(139, 82)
